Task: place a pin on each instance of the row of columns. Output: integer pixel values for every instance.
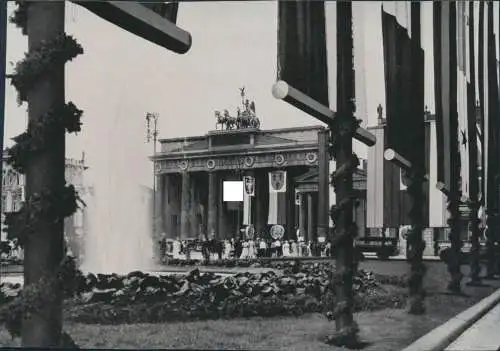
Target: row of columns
(185, 205)
(308, 224)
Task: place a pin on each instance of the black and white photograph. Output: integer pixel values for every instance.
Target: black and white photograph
(250, 175)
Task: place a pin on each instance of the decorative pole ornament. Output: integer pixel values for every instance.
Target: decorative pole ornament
(39, 153)
(303, 82)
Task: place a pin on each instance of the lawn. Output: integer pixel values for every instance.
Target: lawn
(389, 329)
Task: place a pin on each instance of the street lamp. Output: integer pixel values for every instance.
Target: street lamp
(152, 136)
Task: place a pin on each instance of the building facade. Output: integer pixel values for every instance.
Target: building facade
(191, 172)
(13, 195)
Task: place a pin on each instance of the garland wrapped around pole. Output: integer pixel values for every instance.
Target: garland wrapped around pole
(36, 314)
(343, 129)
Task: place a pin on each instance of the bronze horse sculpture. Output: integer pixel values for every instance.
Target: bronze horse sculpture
(244, 119)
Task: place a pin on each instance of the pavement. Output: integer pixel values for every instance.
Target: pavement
(482, 335)
(474, 329)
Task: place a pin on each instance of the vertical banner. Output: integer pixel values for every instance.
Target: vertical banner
(444, 24)
(493, 111)
(474, 156)
(249, 193)
(437, 200)
(404, 86)
(405, 124)
(463, 76)
(375, 181)
(277, 197)
(302, 52)
(482, 82)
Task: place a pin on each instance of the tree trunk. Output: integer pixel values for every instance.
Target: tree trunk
(45, 172)
(345, 327)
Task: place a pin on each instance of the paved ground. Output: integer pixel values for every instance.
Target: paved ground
(483, 335)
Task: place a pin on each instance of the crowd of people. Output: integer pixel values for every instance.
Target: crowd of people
(243, 249)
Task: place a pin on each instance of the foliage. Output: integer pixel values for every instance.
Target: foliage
(20, 16)
(48, 206)
(46, 59)
(140, 297)
(39, 135)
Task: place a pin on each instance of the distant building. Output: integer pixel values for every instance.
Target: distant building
(13, 194)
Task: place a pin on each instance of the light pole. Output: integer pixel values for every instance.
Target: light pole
(152, 135)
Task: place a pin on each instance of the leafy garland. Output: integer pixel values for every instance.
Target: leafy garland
(46, 59)
(47, 206)
(343, 128)
(39, 135)
(416, 245)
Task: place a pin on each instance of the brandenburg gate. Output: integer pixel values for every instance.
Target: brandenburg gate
(190, 174)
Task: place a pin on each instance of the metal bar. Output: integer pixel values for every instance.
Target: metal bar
(397, 159)
(400, 161)
(283, 91)
(141, 21)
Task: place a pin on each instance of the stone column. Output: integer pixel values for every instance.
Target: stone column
(157, 220)
(261, 198)
(212, 203)
(323, 190)
(290, 228)
(185, 199)
(221, 211)
(310, 216)
(158, 210)
(166, 200)
(303, 215)
(193, 209)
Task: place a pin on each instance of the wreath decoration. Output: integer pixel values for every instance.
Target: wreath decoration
(49, 205)
(311, 157)
(210, 164)
(249, 161)
(183, 165)
(279, 159)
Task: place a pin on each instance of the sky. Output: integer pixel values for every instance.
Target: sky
(121, 77)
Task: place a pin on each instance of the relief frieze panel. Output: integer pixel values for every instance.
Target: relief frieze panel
(208, 163)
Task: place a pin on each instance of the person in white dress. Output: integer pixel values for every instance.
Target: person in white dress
(252, 251)
(295, 249)
(286, 249)
(244, 252)
(176, 249)
(262, 248)
(308, 249)
(227, 248)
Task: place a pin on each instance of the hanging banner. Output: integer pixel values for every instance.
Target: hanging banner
(277, 182)
(277, 197)
(249, 183)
